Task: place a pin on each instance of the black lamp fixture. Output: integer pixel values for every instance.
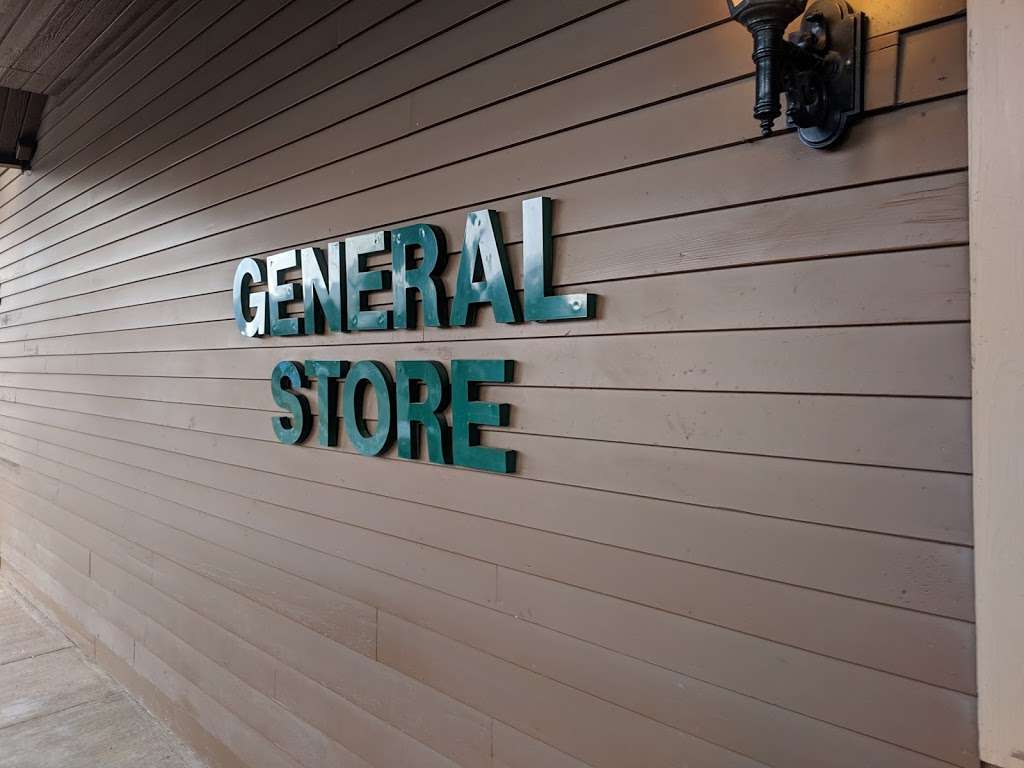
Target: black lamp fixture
(820, 67)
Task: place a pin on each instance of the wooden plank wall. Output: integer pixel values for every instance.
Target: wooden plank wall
(741, 531)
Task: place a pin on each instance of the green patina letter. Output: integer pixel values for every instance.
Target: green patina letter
(361, 281)
(487, 280)
(287, 376)
(321, 297)
(425, 413)
(407, 277)
(468, 412)
(538, 302)
(362, 374)
(280, 294)
(326, 373)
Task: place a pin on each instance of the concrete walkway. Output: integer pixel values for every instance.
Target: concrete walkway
(59, 711)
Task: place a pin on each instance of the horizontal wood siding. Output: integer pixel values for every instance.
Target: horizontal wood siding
(740, 531)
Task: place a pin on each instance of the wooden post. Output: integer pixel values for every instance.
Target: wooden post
(995, 63)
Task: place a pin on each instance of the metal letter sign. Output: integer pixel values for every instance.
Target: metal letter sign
(427, 412)
(483, 247)
(250, 271)
(335, 291)
(407, 278)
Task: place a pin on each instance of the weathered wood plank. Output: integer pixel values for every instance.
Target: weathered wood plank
(885, 18)
(933, 61)
(539, 163)
(913, 287)
(132, 32)
(932, 505)
(316, 153)
(647, 634)
(935, 564)
(519, 638)
(814, 621)
(421, 23)
(646, 192)
(449, 726)
(174, 37)
(366, 104)
(921, 212)
(345, 621)
(866, 360)
(610, 736)
(68, 51)
(916, 433)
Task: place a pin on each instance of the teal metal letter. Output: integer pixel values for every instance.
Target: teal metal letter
(425, 413)
(376, 375)
(321, 298)
(250, 271)
(483, 238)
(538, 302)
(361, 281)
(287, 376)
(407, 277)
(280, 294)
(468, 412)
(326, 373)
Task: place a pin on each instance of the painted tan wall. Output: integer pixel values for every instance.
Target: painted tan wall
(741, 531)
(997, 297)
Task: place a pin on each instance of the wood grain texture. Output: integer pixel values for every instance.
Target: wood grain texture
(930, 211)
(352, 18)
(350, 78)
(740, 533)
(353, 96)
(916, 433)
(130, 33)
(51, 45)
(593, 564)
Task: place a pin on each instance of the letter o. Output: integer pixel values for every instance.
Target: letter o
(374, 374)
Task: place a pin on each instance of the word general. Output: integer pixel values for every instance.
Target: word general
(335, 284)
(334, 290)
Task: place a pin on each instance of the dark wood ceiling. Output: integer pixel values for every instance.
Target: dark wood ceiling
(46, 46)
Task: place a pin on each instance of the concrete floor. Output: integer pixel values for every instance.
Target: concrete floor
(59, 711)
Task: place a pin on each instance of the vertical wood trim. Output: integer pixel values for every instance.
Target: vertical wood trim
(996, 114)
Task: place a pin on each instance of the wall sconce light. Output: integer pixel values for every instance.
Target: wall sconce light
(821, 67)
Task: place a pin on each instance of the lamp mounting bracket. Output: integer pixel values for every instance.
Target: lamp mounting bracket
(820, 67)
